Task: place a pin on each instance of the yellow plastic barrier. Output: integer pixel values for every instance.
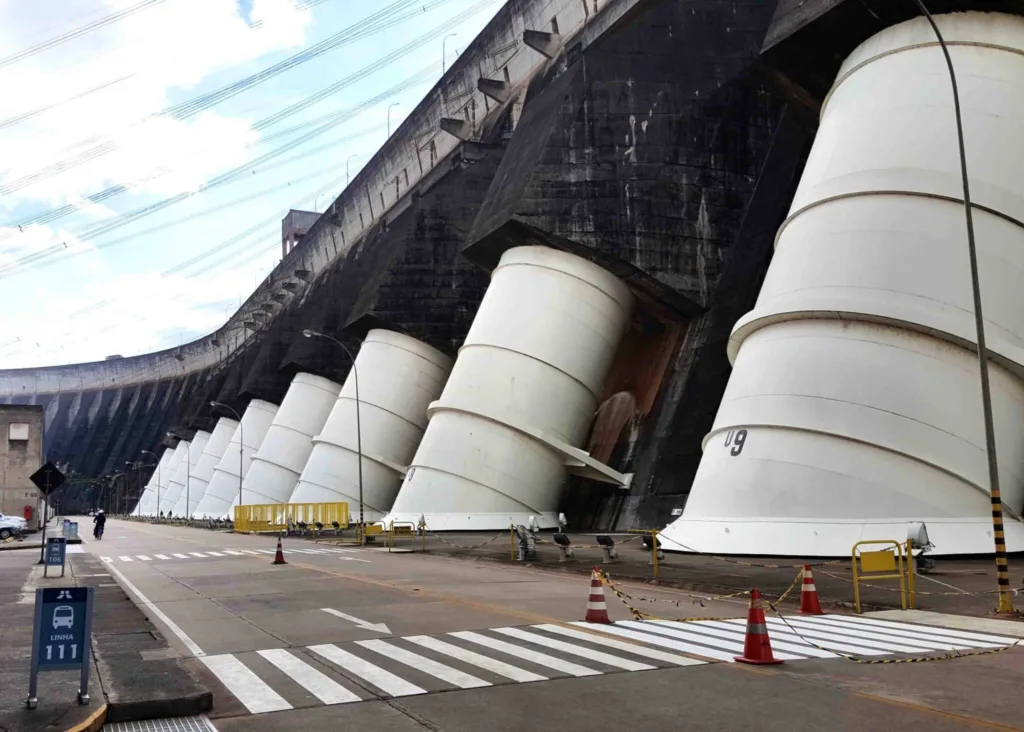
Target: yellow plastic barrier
(879, 564)
(276, 517)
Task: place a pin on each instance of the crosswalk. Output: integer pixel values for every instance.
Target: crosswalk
(326, 674)
(342, 554)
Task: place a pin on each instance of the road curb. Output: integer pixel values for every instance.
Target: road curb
(93, 723)
(137, 711)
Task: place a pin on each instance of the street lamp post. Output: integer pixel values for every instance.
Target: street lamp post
(394, 104)
(347, 161)
(995, 496)
(147, 452)
(359, 431)
(444, 52)
(241, 443)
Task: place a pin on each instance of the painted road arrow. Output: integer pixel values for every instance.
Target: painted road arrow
(378, 627)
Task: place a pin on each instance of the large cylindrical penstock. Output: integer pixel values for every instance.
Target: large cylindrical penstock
(147, 505)
(166, 504)
(854, 404)
(398, 378)
(282, 456)
(532, 367)
(218, 443)
(222, 490)
(184, 479)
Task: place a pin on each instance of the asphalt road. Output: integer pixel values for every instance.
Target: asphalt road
(398, 642)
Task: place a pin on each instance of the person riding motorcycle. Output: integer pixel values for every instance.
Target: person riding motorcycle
(101, 521)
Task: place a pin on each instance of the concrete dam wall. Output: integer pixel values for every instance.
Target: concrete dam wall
(652, 145)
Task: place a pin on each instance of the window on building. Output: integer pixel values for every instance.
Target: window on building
(17, 431)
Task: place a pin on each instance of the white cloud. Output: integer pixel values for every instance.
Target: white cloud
(140, 312)
(166, 49)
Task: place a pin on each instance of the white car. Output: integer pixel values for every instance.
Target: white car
(14, 519)
(10, 528)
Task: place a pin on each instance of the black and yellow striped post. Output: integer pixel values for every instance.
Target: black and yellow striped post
(1005, 598)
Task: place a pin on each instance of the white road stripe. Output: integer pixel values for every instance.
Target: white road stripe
(928, 630)
(161, 556)
(845, 637)
(214, 554)
(780, 631)
(472, 657)
(729, 645)
(125, 559)
(383, 680)
(198, 554)
(622, 646)
(312, 680)
(250, 551)
(353, 559)
(180, 556)
(252, 691)
(234, 553)
(574, 650)
(658, 640)
(424, 664)
(932, 644)
(735, 631)
(541, 659)
(106, 559)
(143, 557)
(267, 551)
(143, 600)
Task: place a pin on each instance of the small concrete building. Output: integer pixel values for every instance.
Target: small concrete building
(21, 454)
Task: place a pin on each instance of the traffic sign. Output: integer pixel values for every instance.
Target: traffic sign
(48, 478)
(56, 552)
(61, 636)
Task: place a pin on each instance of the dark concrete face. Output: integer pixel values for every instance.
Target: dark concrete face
(809, 39)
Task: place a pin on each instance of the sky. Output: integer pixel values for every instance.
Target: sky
(142, 184)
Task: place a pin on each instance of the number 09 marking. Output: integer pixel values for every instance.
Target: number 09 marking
(736, 439)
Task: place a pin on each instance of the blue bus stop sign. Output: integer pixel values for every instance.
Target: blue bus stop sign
(60, 641)
(56, 550)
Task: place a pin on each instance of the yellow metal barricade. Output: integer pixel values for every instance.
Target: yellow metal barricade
(404, 530)
(277, 517)
(878, 564)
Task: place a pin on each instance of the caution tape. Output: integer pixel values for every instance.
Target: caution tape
(958, 593)
(949, 655)
(460, 546)
(639, 614)
(588, 546)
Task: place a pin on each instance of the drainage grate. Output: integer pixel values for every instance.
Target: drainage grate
(170, 724)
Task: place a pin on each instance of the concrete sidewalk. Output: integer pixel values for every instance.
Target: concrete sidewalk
(134, 674)
(58, 706)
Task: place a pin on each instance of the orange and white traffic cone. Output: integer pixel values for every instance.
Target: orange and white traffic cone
(597, 610)
(279, 557)
(757, 648)
(809, 603)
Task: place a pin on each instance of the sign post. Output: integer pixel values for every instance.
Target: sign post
(47, 479)
(60, 638)
(56, 553)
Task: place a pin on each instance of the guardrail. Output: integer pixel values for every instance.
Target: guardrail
(277, 517)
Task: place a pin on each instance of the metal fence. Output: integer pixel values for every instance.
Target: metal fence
(278, 517)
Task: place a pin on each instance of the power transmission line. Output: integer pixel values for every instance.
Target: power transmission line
(20, 265)
(375, 23)
(77, 32)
